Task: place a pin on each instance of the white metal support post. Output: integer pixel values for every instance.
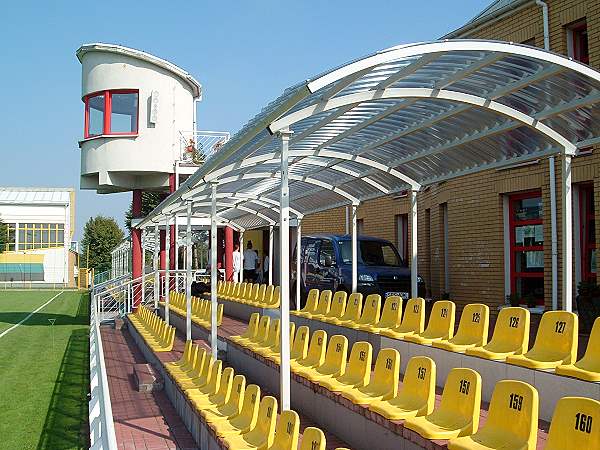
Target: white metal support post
(284, 274)
(347, 214)
(176, 226)
(241, 276)
(414, 291)
(167, 271)
(155, 262)
(143, 239)
(270, 255)
(553, 233)
(298, 265)
(567, 263)
(213, 270)
(188, 273)
(354, 251)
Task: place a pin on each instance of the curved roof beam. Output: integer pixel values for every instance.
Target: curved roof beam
(400, 93)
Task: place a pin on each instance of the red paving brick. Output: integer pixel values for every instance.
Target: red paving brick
(143, 421)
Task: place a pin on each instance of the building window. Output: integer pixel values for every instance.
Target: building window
(35, 236)
(402, 235)
(10, 237)
(527, 246)
(360, 226)
(577, 42)
(587, 231)
(111, 112)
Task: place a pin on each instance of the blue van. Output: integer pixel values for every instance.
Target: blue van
(326, 263)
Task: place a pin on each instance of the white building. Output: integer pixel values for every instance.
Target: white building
(40, 228)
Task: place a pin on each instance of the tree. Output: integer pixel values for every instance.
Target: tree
(150, 200)
(3, 236)
(100, 237)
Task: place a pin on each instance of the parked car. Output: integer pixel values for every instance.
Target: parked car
(326, 263)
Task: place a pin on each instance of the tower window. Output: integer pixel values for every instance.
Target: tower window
(111, 112)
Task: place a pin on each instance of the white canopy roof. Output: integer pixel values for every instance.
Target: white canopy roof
(403, 118)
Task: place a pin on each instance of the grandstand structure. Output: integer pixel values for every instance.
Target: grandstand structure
(244, 367)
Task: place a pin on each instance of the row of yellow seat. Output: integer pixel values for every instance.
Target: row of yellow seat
(513, 412)
(201, 309)
(258, 295)
(555, 347)
(155, 331)
(234, 410)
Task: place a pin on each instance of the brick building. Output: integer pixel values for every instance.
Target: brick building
(487, 235)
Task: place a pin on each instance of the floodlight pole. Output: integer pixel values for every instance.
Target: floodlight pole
(188, 273)
(155, 263)
(298, 265)
(567, 216)
(414, 290)
(354, 251)
(270, 255)
(284, 272)
(213, 270)
(167, 271)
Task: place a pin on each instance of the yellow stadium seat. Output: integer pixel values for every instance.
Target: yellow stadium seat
(275, 349)
(575, 425)
(312, 300)
(390, 316)
(270, 339)
(199, 375)
(323, 306)
(440, 326)
(312, 439)
(182, 372)
(233, 406)
(511, 336)
(413, 320)
(261, 333)
(299, 345)
(220, 397)
(213, 381)
(268, 298)
(184, 360)
(334, 364)
(286, 432)
(276, 300)
(245, 420)
(458, 412)
(338, 306)
(555, 342)
(417, 397)
(250, 331)
(512, 420)
(384, 382)
(351, 313)
(358, 370)
(263, 433)
(370, 314)
(315, 354)
(472, 329)
(588, 367)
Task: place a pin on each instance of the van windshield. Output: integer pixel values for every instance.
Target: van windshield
(371, 253)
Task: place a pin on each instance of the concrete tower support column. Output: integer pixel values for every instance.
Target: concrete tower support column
(136, 239)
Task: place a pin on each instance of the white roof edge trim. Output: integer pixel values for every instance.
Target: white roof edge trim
(144, 56)
(399, 93)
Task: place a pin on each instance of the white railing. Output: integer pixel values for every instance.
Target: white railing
(102, 428)
(195, 147)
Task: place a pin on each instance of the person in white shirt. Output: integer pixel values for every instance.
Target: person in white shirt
(266, 270)
(250, 263)
(237, 262)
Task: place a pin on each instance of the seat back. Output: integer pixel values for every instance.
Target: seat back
(252, 326)
(441, 320)
(260, 297)
(419, 381)
(558, 333)
(371, 310)
(316, 348)
(276, 347)
(513, 411)
(512, 329)
(312, 300)
(268, 294)
(286, 431)
(461, 398)
(265, 421)
(200, 366)
(263, 329)
(391, 312)
(300, 343)
(273, 335)
(387, 372)
(353, 307)
(236, 397)
(276, 297)
(336, 354)
(358, 368)
(242, 291)
(225, 385)
(338, 304)
(324, 302)
(413, 318)
(249, 412)
(214, 377)
(575, 424)
(254, 293)
(312, 439)
(592, 352)
(474, 323)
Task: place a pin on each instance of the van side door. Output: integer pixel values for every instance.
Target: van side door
(327, 261)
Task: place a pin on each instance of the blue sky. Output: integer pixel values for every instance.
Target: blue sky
(245, 53)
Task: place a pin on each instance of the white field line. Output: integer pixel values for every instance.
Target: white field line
(31, 314)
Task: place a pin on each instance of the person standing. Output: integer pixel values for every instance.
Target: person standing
(237, 262)
(250, 263)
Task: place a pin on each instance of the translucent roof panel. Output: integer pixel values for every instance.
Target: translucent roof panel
(403, 118)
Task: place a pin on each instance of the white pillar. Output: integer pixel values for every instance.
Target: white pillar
(567, 263)
(354, 251)
(298, 265)
(553, 234)
(176, 226)
(241, 277)
(155, 263)
(284, 274)
(188, 274)
(213, 270)
(347, 212)
(167, 271)
(143, 239)
(270, 255)
(414, 291)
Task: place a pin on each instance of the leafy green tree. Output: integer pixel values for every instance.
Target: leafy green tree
(3, 236)
(150, 200)
(100, 237)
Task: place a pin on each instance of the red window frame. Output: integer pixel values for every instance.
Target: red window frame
(107, 94)
(513, 224)
(587, 220)
(579, 36)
